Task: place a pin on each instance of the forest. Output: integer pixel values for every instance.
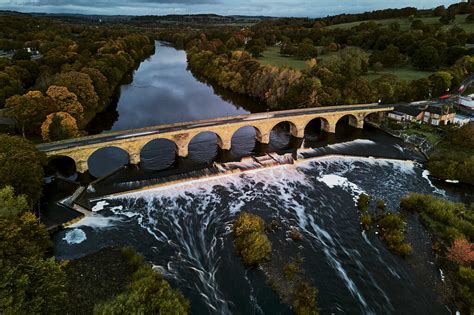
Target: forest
(60, 75)
(338, 61)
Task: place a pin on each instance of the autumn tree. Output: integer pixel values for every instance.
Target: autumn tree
(21, 166)
(27, 110)
(461, 252)
(65, 101)
(81, 85)
(59, 126)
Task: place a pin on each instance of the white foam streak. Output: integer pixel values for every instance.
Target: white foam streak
(96, 221)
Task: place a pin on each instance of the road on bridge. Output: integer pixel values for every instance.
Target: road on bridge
(125, 134)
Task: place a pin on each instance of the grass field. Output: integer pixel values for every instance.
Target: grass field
(272, 57)
(406, 24)
(403, 73)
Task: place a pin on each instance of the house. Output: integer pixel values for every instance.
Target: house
(406, 113)
(461, 120)
(438, 115)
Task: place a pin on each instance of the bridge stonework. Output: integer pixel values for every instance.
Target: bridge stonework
(133, 141)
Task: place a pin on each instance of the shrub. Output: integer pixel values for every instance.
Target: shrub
(392, 230)
(363, 202)
(148, 293)
(461, 252)
(304, 299)
(251, 242)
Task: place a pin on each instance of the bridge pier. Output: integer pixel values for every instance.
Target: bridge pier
(263, 138)
(328, 127)
(224, 144)
(135, 158)
(359, 123)
(82, 166)
(182, 150)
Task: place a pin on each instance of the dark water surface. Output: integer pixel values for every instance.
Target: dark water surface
(185, 230)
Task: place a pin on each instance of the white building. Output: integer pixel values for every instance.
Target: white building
(461, 120)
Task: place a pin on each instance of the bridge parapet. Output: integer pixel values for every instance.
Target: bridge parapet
(181, 134)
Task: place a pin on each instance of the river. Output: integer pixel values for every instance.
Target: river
(184, 230)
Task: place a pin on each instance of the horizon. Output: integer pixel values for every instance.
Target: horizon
(268, 8)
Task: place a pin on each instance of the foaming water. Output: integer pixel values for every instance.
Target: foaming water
(185, 231)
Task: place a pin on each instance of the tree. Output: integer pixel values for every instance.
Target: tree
(22, 54)
(440, 82)
(232, 43)
(426, 57)
(391, 56)
(461, 252)
(21, 166)
(448, 17)
(148, 293)
(101, 85)
(306, 49)
(30, 283)
(11, 205)
(65, 101)
(256, 47)
(81, 85)
(9, 86)
(27, 111)
(439, 11)
(59, 126)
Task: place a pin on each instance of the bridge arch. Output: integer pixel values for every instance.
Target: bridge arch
(159, 153)
(282, 132)
(314, 127)
(351, 120)
(244, 138)
(106, 159)
(197, 151)
(62, 165)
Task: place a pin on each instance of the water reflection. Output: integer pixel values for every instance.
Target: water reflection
(164, 91)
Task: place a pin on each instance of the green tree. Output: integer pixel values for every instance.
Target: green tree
(21, 166)
(30, 283)
(148, 293)
(441, 82)
(427, 58)
(11, 205)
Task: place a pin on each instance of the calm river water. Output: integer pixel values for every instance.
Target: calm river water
(185, 230)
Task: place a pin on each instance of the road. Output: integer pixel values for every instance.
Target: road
(132, 133)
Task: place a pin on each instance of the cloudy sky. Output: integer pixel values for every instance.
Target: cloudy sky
(309, 8)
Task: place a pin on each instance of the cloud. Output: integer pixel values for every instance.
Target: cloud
(300, 8)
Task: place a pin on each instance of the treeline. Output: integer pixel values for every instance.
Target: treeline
(74, 76)
(338, 79)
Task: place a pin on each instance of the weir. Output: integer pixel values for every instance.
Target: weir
(181, 134)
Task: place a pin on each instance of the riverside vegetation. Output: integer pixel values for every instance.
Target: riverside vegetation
(32, 281)
(390, 226)
(451, 226)
(254, 246)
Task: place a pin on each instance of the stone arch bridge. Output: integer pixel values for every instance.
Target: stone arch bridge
(132, 141)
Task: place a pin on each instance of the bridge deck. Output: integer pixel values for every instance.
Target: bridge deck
(132, 133)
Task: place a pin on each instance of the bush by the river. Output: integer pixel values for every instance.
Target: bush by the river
(454, 156)
(392, 229)
(391, 226)
(449, 222)
(147, 293)
(251, 242)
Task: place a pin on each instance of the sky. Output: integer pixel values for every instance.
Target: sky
(297, 8)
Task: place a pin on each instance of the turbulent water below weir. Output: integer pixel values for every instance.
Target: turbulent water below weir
(185, 231)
